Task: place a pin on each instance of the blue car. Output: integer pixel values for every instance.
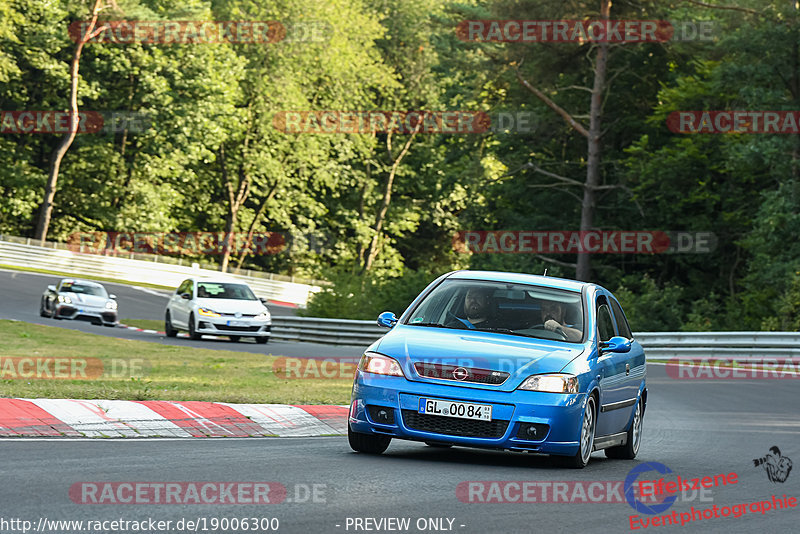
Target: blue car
(504, 361)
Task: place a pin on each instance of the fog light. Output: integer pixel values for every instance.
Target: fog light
(533, 431)
(381, 414)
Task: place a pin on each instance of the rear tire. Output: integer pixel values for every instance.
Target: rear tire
(367, 443)
(168, 329)
(586, 442)
(631, 448)
(192, 334)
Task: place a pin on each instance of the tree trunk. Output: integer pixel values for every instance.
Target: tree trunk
(46, 210)
(588, 207)
(235, 201)
(372, 251)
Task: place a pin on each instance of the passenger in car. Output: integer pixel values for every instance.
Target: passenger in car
(554, 315)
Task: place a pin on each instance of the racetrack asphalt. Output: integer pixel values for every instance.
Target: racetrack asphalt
(696, 428)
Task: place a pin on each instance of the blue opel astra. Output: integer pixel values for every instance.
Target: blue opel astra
(504, 361)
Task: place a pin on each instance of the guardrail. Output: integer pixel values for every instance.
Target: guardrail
(657, 345)
(140, 271)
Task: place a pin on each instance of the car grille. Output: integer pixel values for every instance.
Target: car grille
(470, 374)
(234, 315)
(453, 426)
(237, 328)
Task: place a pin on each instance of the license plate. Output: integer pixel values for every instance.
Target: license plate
(237, 323)
(462, 410)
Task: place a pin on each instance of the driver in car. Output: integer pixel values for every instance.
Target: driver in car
(554, 319)
(479, 309)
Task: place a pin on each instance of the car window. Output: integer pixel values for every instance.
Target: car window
(222, 290)
(605, 323)
(182, 288)
(511, 308)
(622, 323)
(83, 289)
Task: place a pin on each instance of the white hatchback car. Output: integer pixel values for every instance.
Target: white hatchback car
(217, 307)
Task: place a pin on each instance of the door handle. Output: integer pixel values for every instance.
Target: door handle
(627, 369)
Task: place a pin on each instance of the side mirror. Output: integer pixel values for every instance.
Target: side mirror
(112, 296)
(616, 344)
(186, 296)
(387, 319)
(263, 300)
(51, 288)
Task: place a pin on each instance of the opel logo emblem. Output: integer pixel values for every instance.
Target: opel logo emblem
(238, 314)
(459, 373)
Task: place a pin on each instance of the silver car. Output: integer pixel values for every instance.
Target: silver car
(80, 300)
(217, 307)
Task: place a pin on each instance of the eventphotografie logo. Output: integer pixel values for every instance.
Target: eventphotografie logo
(777, 467)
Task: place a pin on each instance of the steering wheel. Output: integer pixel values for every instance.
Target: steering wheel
(559, 330)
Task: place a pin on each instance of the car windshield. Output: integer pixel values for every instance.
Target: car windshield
(71, 287)
(508, 308)
(222, 290)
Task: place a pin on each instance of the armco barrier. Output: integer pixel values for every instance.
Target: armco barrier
(657, 345)
(139, 271)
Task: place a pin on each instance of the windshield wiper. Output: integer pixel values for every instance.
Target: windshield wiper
(436, 325)
(503, 331)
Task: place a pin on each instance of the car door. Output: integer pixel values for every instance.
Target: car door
(181, 307)
(612, 370)
(635, 359)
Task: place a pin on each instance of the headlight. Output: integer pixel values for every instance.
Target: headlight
(263, 315)
(111, 305)
(557, 383)
(65, 300)
(380, 365)
(205, 312)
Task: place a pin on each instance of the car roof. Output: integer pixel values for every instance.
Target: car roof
(544, 281)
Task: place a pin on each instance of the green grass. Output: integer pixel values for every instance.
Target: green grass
(146, 324)
(85, 277)
(170, 372)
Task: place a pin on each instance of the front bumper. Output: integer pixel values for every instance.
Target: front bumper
(512, 414)
(86, 313)
(243, 327)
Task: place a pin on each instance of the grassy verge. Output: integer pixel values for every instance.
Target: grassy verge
(146, 324)
(169, 372)
(82, 276)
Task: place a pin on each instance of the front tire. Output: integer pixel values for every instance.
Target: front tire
(586, 442)
(192, 334)
(235, 339)
(42, 313)
(262, 340)
(168, 329)
(367, 443)
(631, 448)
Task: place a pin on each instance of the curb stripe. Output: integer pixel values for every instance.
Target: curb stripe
(165, 419)
(20, 417)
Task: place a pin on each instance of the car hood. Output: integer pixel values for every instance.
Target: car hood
(249, 307)
(85, 300)
(516, 355)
